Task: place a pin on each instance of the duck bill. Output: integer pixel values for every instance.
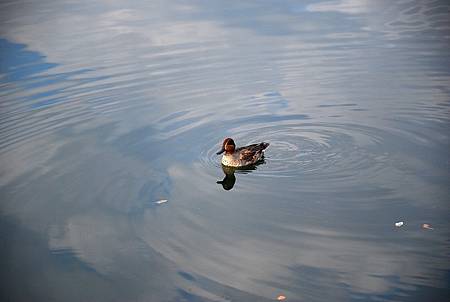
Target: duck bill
(221, 151)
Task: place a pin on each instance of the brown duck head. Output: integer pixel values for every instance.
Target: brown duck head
(228, 146)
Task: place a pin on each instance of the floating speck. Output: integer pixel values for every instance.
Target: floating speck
(427, 226)
(161, 201)
(399, 224)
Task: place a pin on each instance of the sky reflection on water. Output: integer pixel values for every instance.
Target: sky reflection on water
(107, 107)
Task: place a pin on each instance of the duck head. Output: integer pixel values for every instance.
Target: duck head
(228, 146)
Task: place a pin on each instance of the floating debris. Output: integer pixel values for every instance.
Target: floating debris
(427, 226)
(399, 224)
(161, 201)
(281, 298)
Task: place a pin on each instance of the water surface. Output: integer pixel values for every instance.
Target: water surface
(110, 106)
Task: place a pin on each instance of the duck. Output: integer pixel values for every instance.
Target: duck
(242, 156)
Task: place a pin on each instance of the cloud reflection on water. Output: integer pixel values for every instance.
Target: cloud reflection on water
(87, 185)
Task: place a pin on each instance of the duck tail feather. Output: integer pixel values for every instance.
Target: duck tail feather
(264, 145)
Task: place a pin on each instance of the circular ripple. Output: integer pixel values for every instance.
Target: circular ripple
(311, 150)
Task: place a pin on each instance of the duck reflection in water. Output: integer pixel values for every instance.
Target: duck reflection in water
(230, 179)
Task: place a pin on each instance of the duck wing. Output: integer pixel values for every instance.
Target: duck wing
(249, 152)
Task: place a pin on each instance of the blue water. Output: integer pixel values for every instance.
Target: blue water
(108, 107)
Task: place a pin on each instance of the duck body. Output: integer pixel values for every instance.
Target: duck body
(243, 156)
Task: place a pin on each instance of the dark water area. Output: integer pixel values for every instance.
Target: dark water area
(107, 107)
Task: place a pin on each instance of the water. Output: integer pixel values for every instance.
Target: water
(108, 107)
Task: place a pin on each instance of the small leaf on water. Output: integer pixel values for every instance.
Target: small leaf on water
(281, 298)
(399, 224)
(161, 201)
(427, 226)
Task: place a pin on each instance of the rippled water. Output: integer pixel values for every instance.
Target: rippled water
(109, 106)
